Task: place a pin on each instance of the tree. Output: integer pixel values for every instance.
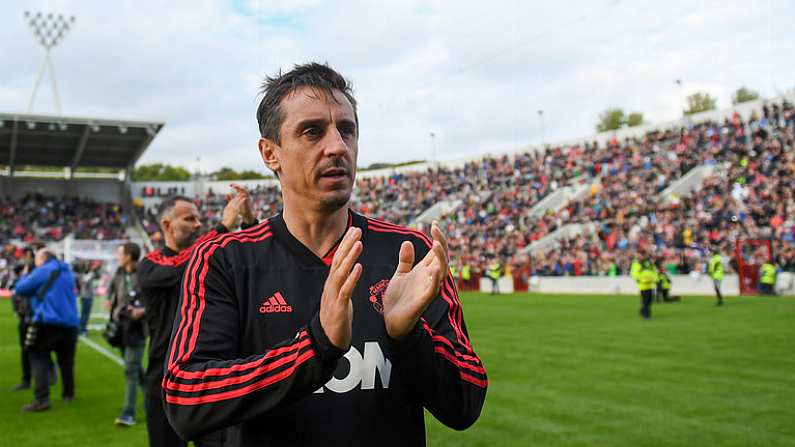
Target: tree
(744, 94)
(635, 119)
(249, 174)
(614, 118)
(160, 172)
(227, 173)
(610, 119)
(700, 102)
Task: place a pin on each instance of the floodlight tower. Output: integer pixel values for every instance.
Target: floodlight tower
(433, 146)
(541, 122)
(49, 29)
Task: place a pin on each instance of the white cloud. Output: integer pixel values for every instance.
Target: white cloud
(475, 73)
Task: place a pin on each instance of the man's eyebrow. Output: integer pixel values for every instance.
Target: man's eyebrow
(307, 122)
(304, 123)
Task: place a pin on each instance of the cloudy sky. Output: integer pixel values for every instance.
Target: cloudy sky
(473, 73)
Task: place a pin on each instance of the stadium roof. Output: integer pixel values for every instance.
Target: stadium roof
(69, 142)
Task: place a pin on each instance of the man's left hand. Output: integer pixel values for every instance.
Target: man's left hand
(230, 216)
(246, 207)
(411, 289)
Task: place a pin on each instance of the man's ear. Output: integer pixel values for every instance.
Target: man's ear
(165, 224)
(268, 151)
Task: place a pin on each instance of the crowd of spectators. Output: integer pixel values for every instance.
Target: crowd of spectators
(45, 218)
(622, 181)
(37, 218)
(749, 194)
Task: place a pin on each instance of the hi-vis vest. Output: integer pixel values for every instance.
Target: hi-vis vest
(647, 278)
(634, 269)
(768, 274)
(494, 271)
(715, 267)
(664, 281)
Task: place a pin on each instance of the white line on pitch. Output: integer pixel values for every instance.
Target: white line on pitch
(93, 345)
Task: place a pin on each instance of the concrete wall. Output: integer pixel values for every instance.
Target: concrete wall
(194, 187)
(624, 285)
(191, 187)
(785, 284)
(505, 284)
(100, 190)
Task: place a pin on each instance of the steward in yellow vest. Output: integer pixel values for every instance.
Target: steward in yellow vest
(767, 279)
(647, 282)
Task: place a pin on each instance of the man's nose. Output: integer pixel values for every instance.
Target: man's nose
(335, 144)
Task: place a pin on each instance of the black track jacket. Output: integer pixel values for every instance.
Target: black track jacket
(159, 278)
(248, 351)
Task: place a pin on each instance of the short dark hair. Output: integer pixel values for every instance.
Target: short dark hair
(276, 88)
(36, 246)
(167, 205)
(132, 250)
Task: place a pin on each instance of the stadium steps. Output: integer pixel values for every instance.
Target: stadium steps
(565, 232)
(687, 183)
(436, 211)
(556, 200)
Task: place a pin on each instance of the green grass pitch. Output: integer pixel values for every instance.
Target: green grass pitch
(563, 371)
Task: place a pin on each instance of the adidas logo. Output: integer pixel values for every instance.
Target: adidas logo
(275, 304)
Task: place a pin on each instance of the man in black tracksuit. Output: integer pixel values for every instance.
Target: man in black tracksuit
(159, 277)
(319, 326)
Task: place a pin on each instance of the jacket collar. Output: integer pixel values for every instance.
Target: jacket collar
(304, 254)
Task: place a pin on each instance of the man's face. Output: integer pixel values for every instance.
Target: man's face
(316, 160)
(182, 224)
(122, 257)
(40, 258)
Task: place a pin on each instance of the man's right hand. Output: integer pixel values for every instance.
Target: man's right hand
(336, 309)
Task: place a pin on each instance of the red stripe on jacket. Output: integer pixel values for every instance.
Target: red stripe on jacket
(454, 315)
(171, 385)
(203, 253)
(188, 282)
(241, 391)
(180, 258)
(219, 372)
(454, 312)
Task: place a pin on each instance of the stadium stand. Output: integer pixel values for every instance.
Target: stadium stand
(625, 205)
(35, 217)
(64, 179)
(578, 209)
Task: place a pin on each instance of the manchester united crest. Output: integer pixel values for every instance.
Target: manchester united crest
(377, 295)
